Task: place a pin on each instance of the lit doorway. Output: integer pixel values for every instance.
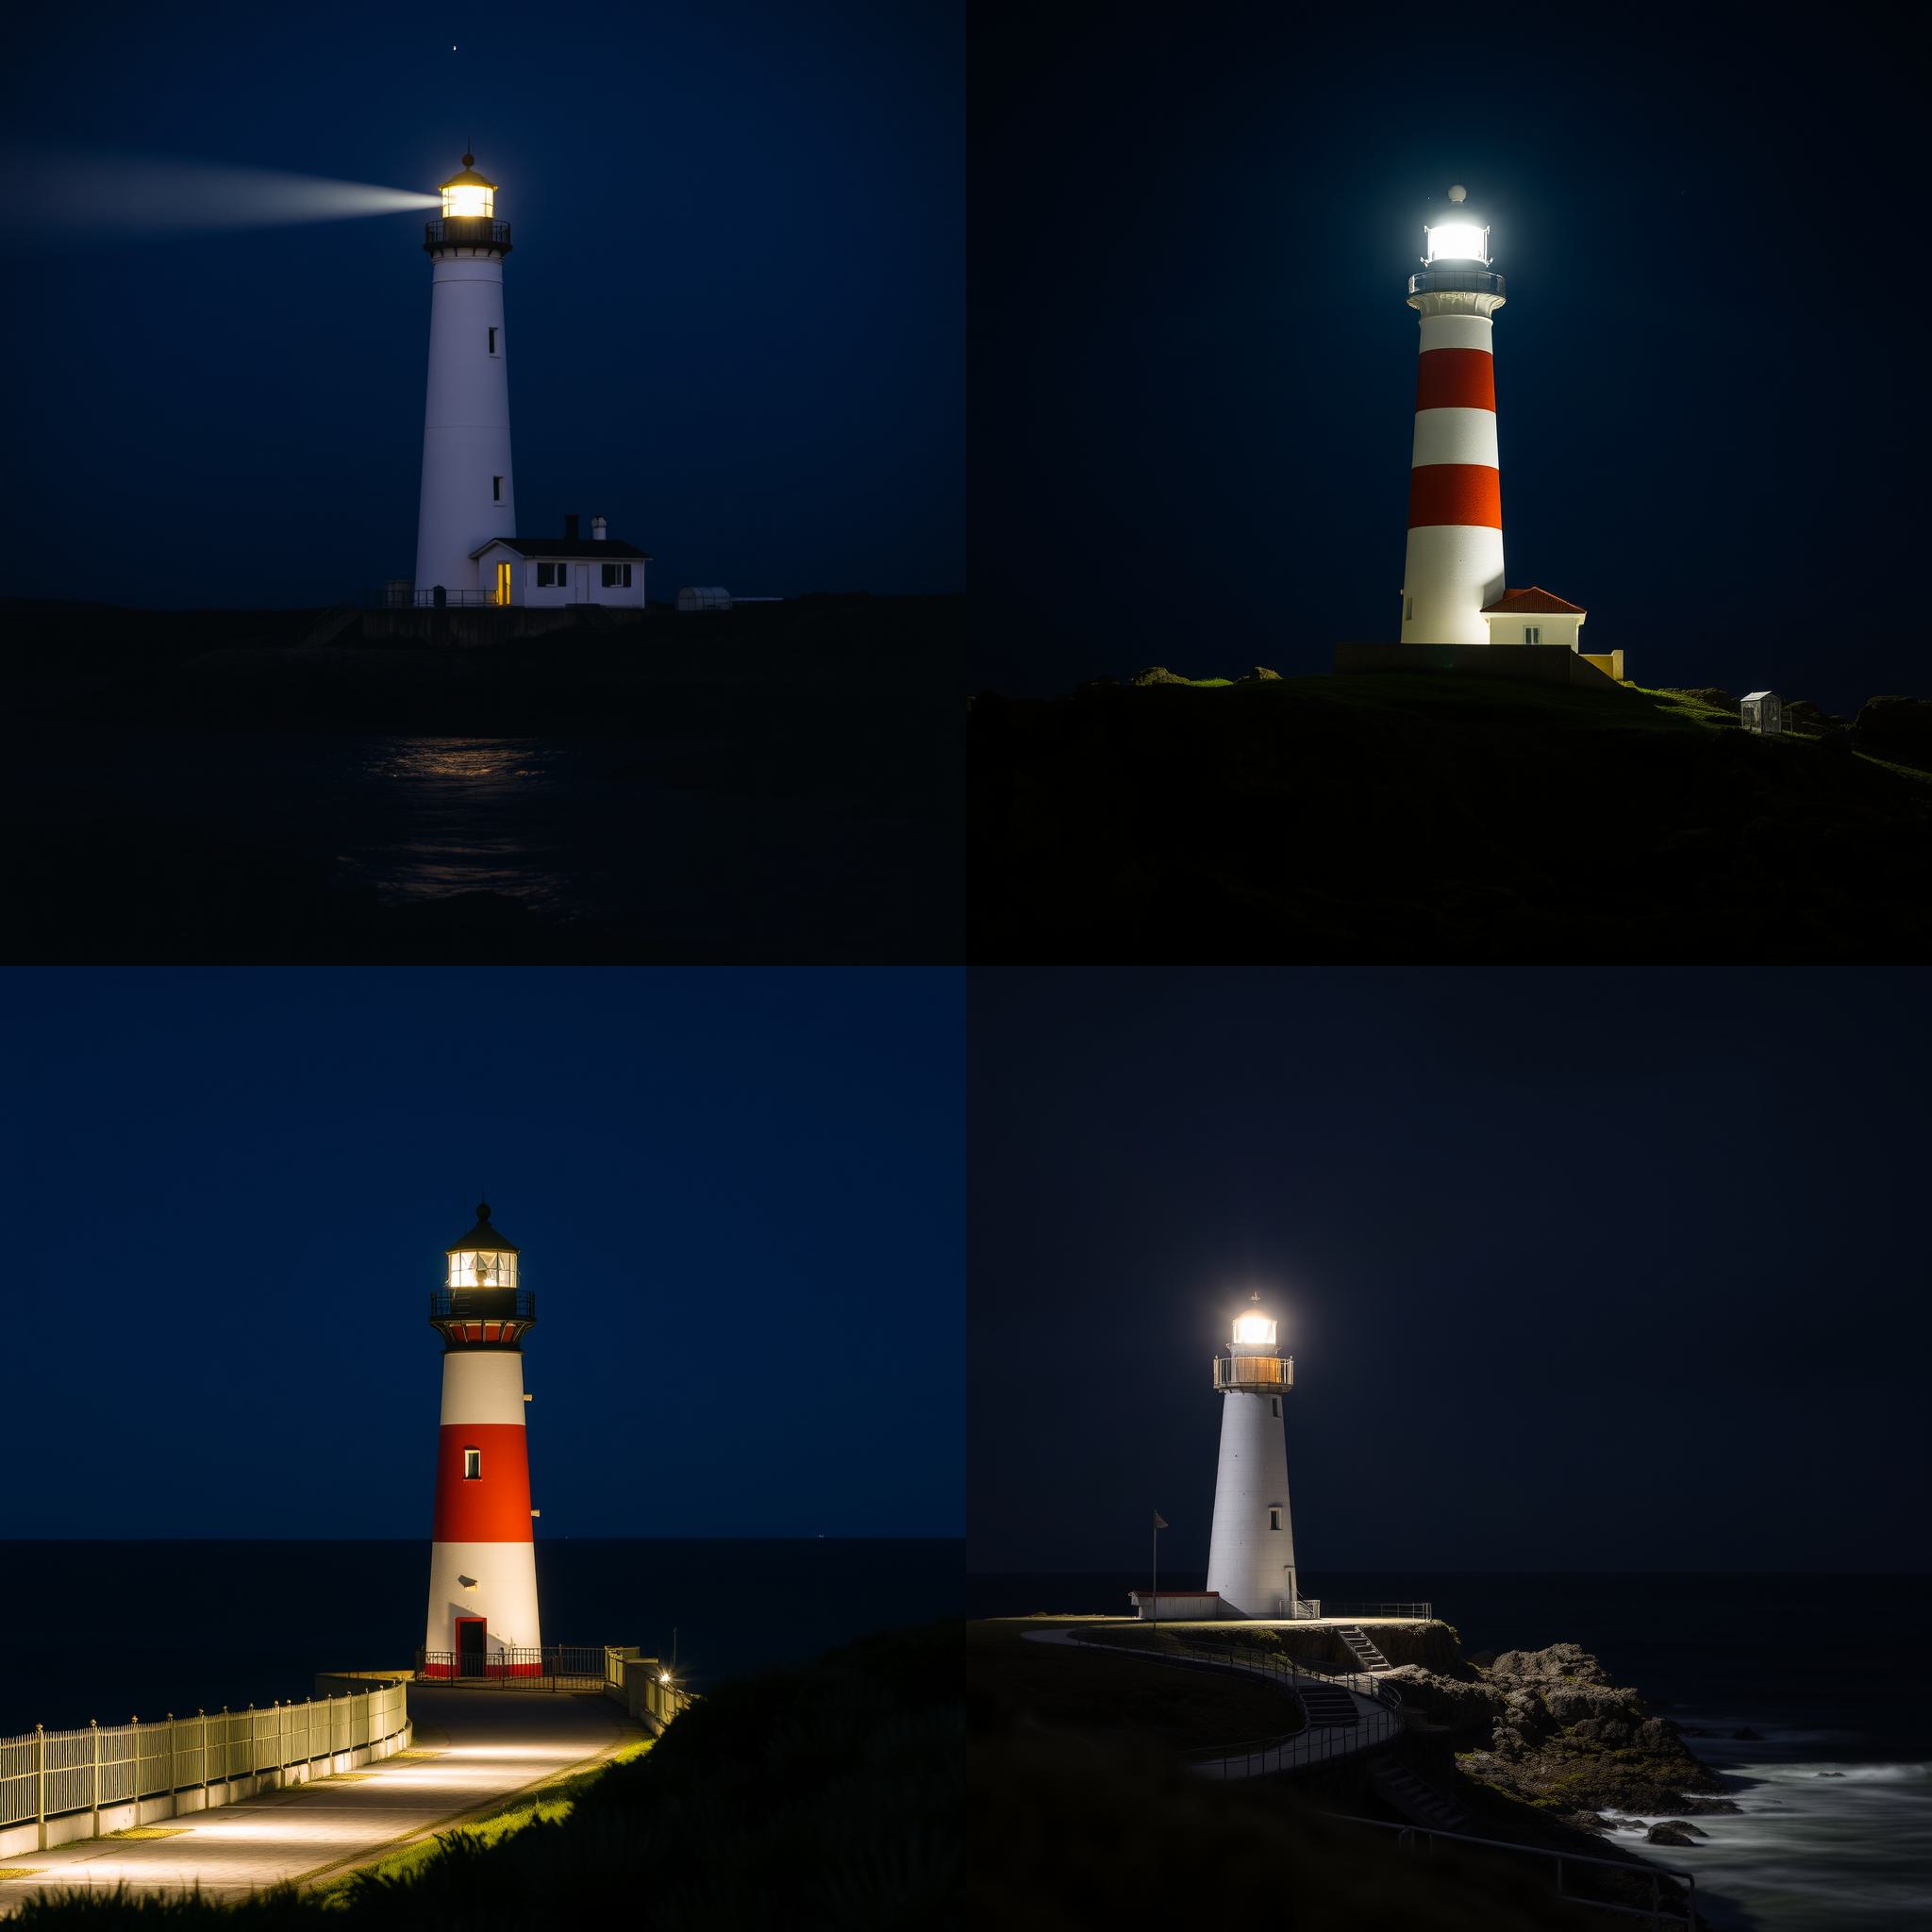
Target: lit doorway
(502, 583)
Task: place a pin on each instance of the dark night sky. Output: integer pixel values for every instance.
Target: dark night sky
(229, 1192)
(736, 302)
(1583, 1270)
(1194, 369)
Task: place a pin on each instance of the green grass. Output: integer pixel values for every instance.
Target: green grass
(549, 1803)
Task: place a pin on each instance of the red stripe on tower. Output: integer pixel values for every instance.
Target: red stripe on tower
(1455, 379)
(492, 1506)
(1456, 494)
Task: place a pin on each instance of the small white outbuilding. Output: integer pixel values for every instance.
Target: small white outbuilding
(701, 597)
(1762, 711)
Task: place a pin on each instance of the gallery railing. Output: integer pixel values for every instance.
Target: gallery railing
(47, 1773)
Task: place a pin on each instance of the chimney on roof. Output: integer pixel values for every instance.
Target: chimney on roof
(597, 532)
(569, 528)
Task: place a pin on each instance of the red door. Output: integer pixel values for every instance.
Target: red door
(471, 1648)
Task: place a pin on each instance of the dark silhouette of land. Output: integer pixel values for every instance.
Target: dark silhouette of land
(1402, 818)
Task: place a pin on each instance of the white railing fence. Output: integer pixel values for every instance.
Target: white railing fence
(48, 1773)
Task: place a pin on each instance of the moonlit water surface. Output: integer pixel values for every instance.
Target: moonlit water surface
(1809, 1852)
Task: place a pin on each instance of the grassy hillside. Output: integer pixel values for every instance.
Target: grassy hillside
(1082, 1819)
(1432, 818)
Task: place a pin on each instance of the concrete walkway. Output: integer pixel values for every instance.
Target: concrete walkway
(1318, 1742)
(471, 1748)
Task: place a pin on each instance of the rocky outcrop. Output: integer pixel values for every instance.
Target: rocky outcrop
(1896, 728)
(1156, 673)
(1564, 1737)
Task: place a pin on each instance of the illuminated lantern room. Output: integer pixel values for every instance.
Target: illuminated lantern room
(480, 1304)
(469, 193)
(1462, 238)
(1253, 1361)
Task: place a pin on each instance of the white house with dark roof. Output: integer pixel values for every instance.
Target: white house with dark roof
(1534, 616)
(546, 573)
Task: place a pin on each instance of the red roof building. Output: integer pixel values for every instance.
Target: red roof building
(1535, 600)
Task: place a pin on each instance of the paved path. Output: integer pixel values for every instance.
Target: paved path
(1319, 1742)
(471, 1748)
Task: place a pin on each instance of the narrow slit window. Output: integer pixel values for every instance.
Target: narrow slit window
(1275, 1519)
(497, 490)
(473, 1465)
(1274, 1402)
(1409, 610)
(493, 341)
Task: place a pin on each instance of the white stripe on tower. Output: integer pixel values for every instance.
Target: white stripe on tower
(1455, 560)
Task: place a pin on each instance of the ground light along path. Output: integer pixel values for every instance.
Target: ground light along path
(471, 1748)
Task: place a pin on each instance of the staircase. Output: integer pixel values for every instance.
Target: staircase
(1327, 1704)
(1402, 1791)
(1362, 1648)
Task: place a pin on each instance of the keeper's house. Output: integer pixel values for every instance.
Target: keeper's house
(546, 573)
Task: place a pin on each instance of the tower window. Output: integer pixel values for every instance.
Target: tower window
(1275, 1519)
(473, 1465)
(1532, 633)
(1274, 1402)
(1409, 610)
(497, 490)
(493, 341)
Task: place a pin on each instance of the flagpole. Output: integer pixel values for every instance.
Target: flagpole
(1157, 1566)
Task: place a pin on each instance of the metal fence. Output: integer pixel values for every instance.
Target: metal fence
(1315, 1743)
(554, 1667)
(1662, 1910)
(44, 1774)
(1423, 1612)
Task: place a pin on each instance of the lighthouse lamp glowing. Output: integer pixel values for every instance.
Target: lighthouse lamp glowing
(1454, 567)
(483, 1562)
(469, 492)
(1251, 1547)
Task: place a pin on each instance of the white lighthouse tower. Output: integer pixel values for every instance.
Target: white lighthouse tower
(469, 493)
(1251, 1550)
(1455, 563)
(483, 1562)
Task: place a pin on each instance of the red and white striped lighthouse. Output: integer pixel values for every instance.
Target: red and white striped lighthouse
(483, 1563)
(1455, 563)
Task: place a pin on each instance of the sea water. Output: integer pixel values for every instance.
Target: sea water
(1834, 1830)
(114, 1630)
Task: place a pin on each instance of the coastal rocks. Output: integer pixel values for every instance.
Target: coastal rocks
(1156, 673)
(1445, 1700)
(1673, 1832)
(1258, 674)
(1567, 1738)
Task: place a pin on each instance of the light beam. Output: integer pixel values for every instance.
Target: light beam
(88, 194)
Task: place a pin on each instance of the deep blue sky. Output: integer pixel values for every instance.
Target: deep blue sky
(1582, 1270)
(736, 302)
(736, 1193)
(1193, 371)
